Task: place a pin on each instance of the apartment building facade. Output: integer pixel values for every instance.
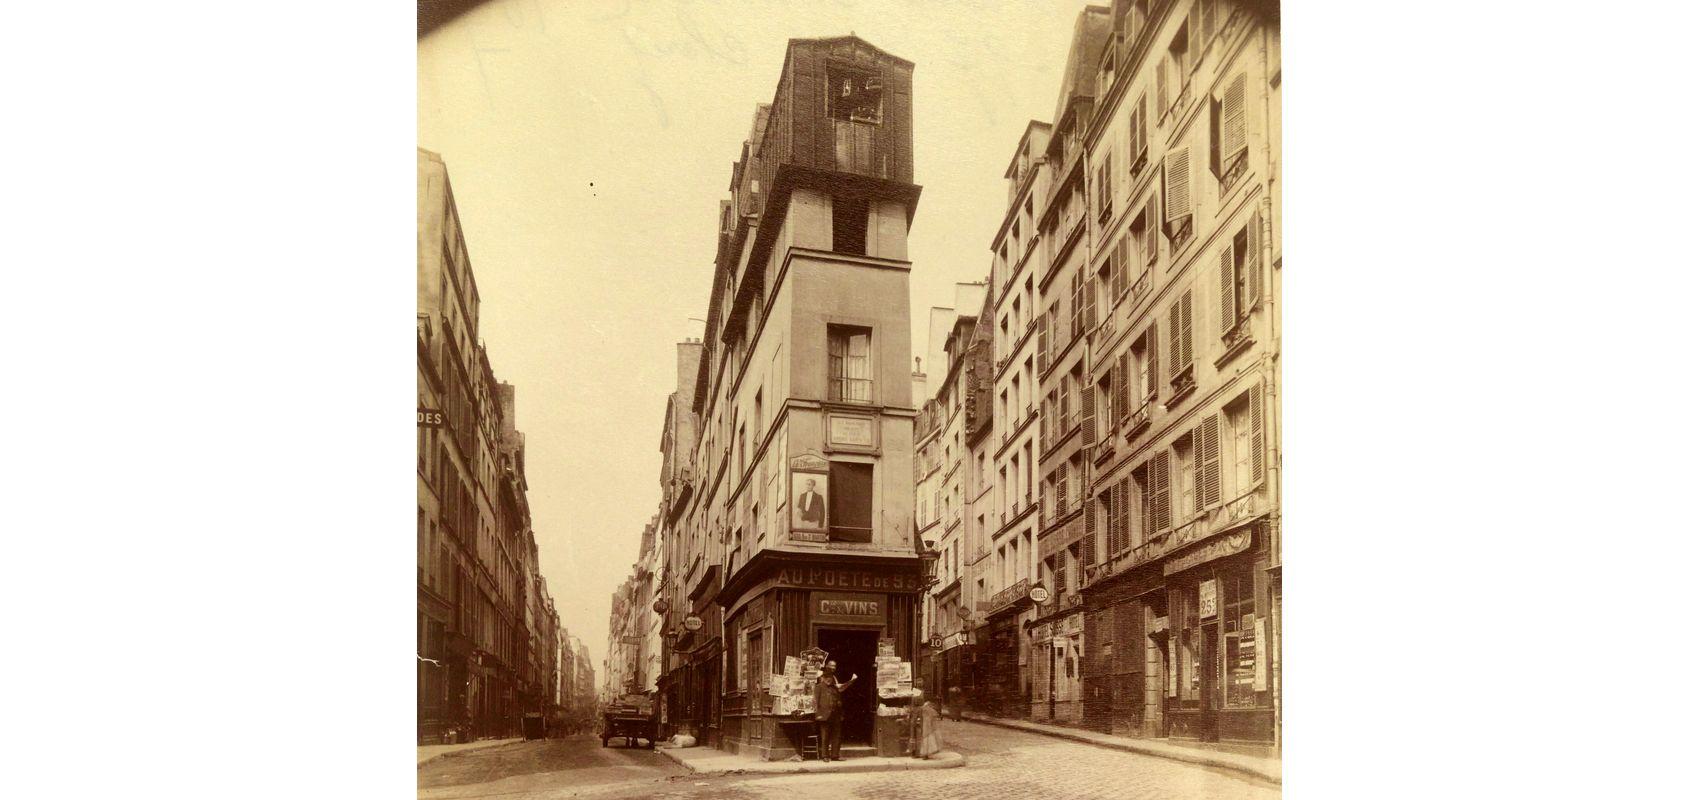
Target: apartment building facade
(945, 479)
(482, 608)
(1181, 405)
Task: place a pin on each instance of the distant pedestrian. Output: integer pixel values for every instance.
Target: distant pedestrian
(927, 739)
(829, 710)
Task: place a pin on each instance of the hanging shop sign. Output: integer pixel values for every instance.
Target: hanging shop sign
(962, 612)
(1039, 594)
(865, 609)
(693, 623)
(430, 418)
(1207, 599)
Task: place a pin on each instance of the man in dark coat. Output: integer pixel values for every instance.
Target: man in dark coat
(811, 506)
(829, 710)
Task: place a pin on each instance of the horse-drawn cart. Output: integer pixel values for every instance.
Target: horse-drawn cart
(630, 721)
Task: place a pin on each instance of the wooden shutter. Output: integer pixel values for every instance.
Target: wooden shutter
(1122, 366)
(1162, 108)
(1194, 32)
(1253, 265)
(1153, 376)
(1118, 283)
(1089, 298)
(1088, 413)
(1136, 132)
(1120, 531)
(1257, 453)
(1151, 229)
(1159, 491)
(1044, 342)
(1210, 460)
(1186, 327)
(1208, 18)
(1087, 541)
(1233, 120)
(1226, 274)
(1177, 184)
(1062, 488)
(1174, 338)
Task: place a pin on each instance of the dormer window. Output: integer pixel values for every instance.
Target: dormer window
(854, 96)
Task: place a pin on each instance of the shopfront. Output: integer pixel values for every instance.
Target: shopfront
(1124, 663)
(789, 605)
(1220, 608)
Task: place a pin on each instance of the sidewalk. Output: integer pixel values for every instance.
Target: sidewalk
(1265, 767)
(430, 751)
(708, 760)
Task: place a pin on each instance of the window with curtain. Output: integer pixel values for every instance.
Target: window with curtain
(849, 373)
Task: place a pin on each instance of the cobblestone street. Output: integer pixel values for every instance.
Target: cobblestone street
(1001, 763)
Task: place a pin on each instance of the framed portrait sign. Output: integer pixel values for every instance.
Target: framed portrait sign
(810, 496)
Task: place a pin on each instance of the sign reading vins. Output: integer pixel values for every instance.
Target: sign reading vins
(846, 607)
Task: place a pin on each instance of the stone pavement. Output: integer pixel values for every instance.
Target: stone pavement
(710, 761)
(430, 751)
(1266, 768)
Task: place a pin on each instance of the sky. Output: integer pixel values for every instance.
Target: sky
(589, 145)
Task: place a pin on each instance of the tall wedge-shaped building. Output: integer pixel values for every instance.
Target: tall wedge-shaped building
(798, 521)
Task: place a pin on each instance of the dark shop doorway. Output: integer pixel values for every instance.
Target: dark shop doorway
(854, 651)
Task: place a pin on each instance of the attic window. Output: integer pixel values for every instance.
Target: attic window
(854, 96)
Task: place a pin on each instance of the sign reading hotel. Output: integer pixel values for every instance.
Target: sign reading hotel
(865, 609)
(809, 493)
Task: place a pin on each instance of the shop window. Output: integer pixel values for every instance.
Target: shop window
(851, 505)
(1189, 648)
(1239, 626)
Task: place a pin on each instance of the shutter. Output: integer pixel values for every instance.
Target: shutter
(1253, 261)
(1151, 353)
(1121, 532)
(1257, 454)
(1088, 415)
(1087, 541)
(1151, 229)
(1119, 282)
(1210, 456)
(1044, 342)
(1226, 274)
(1122, 366)
(1208, 17)
(1196, 437)
(1136, 132)
(1089, 299)
(1177, 184)
(1162, 108)
(1186, 326)
(1159, 491)
(1194, 32)
(1174, 338)
(1062, 489)
(1233, 120)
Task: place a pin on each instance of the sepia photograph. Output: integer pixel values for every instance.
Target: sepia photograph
(810, 388)
(822, 399)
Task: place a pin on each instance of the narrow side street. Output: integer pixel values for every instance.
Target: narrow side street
(1001, 763)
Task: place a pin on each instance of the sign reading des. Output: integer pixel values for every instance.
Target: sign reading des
(846, 607)
(430, 418)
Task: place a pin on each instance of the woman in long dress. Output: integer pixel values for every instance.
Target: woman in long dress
(928, 741)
